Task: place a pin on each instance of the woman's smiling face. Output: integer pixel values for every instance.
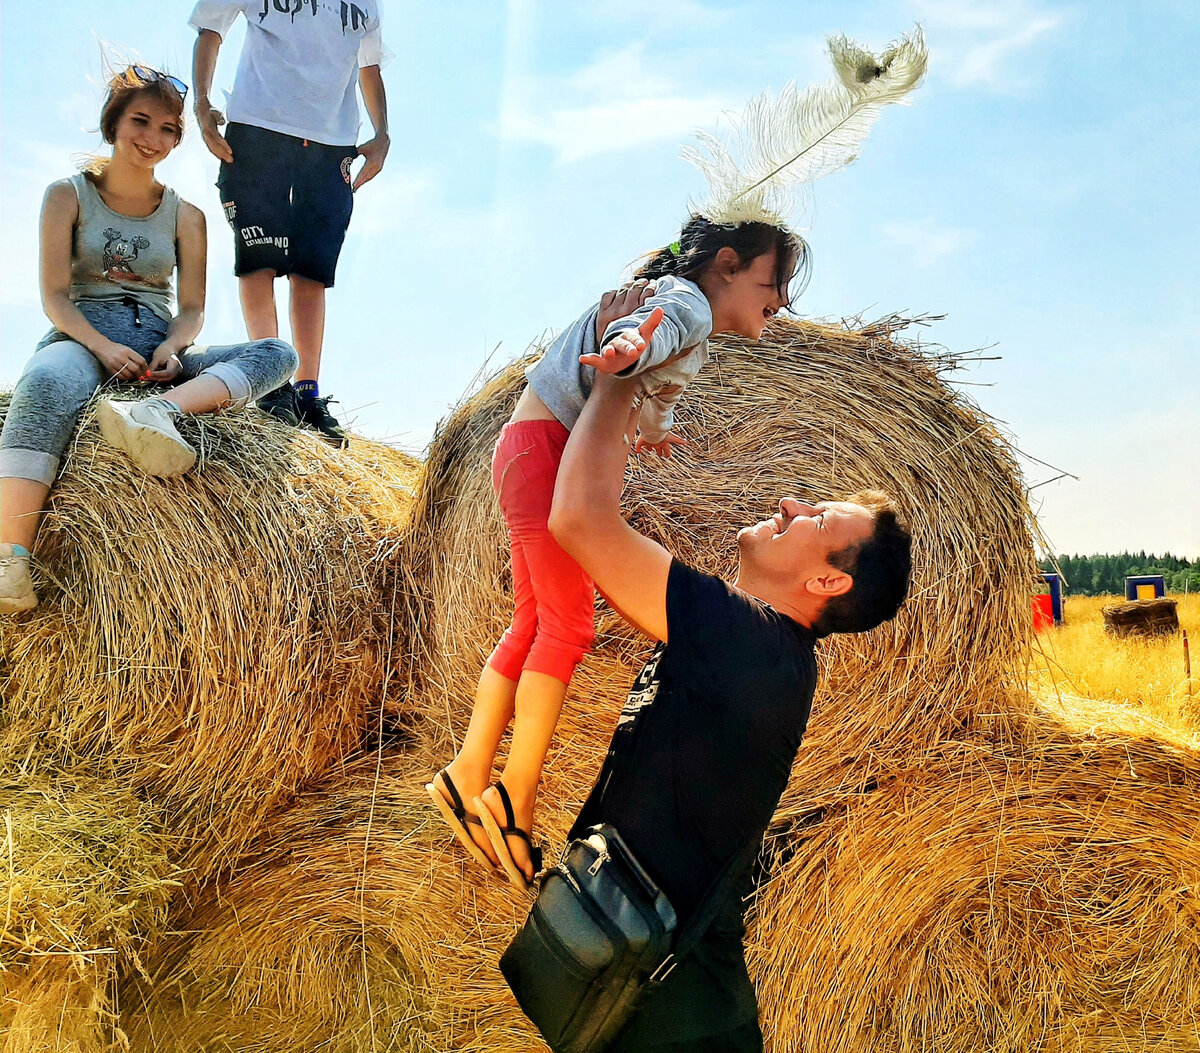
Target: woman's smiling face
(147, 132)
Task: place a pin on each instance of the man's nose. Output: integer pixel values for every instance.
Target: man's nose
(789, 506)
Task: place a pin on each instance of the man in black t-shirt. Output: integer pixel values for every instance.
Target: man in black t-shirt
(706, 741)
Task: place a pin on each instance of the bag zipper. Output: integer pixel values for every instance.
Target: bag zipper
(601, 859)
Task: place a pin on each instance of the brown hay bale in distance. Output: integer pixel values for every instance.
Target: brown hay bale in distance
(1141, 618)
(220, 637)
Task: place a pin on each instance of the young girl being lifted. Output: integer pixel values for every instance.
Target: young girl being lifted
(717, 278)
(729, 272)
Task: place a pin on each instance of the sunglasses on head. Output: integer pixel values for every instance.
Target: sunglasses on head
(146, 75)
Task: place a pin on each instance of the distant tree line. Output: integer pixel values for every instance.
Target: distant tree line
(1105, 575)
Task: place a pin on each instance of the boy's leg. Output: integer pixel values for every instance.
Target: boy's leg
(307, 308)
(257, 292)
(322, 203)
(256, 192)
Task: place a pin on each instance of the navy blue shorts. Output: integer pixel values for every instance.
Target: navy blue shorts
(288, 201)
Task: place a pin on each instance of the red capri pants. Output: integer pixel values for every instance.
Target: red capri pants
(552, 625)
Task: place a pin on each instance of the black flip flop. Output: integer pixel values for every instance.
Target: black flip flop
(497, 836)
(457, 817)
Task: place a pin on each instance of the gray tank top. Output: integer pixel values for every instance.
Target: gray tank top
(116, 257)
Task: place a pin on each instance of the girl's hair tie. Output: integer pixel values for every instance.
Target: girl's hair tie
(674, 248)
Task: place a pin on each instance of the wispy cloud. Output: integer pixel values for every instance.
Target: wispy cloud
(979, 43)
(925, 244)
(618, 103)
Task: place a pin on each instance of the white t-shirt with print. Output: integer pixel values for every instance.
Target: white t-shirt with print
(299, 66)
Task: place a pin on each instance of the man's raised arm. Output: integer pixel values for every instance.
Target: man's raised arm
(629, 569)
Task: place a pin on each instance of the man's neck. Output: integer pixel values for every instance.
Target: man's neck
(801, 613)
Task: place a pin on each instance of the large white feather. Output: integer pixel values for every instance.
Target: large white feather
(782, 143)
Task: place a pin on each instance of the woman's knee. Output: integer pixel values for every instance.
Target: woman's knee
(279, 354)
(52, 392)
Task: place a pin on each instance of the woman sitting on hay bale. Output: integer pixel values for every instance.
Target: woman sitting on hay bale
(112, 236)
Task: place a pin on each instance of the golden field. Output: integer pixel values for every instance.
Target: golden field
(1078, 658)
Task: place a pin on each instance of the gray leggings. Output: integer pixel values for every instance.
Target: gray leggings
(62, 375)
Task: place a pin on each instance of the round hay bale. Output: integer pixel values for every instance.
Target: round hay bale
(220, 637)
(1038, 894)
(84, 887)
(1141, 618)
(816, 410)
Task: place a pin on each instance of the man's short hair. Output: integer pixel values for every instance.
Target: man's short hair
(880, 567)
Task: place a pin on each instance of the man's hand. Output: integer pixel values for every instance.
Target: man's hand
(164, 366)
(662, 447)
(374, 152)
(210, 122)
(617, 303)
(625, 348)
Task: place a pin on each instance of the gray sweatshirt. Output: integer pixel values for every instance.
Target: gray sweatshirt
(563, 384)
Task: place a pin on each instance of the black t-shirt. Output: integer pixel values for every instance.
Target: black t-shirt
(706, 741)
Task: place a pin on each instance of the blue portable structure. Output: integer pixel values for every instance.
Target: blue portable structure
(1056, 596)
(1139, 586)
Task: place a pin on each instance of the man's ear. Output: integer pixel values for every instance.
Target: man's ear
(832, 583)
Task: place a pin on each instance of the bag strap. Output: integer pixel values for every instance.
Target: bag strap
(714, 898)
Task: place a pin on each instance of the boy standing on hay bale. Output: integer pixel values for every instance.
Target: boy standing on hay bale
(285, 162)
(705, 744)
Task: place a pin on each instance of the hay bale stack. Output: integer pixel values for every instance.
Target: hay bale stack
(1038, 891)
(219, 638)
(1042, 893)
(84, 886)
(812, 410)
(1141, 618)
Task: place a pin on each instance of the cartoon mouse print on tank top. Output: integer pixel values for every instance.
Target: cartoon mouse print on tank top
(120, 253)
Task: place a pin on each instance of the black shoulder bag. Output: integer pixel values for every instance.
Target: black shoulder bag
(600, 932)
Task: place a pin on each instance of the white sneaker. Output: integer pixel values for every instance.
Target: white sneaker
(145, 431)
(16, 586)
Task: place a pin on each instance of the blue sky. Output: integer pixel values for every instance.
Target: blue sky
(1040, 192)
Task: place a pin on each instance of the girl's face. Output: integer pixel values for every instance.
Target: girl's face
(147, 131)
(745, 298)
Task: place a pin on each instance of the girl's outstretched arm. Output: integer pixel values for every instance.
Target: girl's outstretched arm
(624, 349)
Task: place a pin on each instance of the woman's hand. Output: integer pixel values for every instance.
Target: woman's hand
(662, 447)
(122, 362)
(164, 366)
